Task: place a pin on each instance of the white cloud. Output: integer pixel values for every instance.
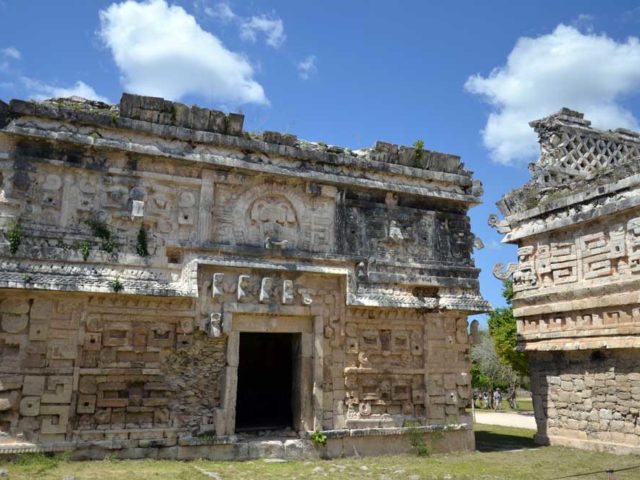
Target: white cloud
(162, 51)
(221, 10)
(307, 67)
(7, 55)
(584, 21)
(271, 27)
(38, 90)
(566, 68)
(11, 52)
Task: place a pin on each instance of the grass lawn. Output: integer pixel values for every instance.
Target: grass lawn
(524, 405)
(506, 453)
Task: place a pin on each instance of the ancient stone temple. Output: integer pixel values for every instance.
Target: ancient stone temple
(170, 285)
(577, 282)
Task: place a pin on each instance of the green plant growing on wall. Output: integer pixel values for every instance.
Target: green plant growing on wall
(116, 285)
(502, 327)
(174, 114)
(418, 152)
(85, 249)
(416, 439)
(207, 437)
(101, 231)
(14, 236)
(319, 438)
(141, 244)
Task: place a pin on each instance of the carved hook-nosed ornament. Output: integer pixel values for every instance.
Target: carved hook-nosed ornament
(271, 244)
(502, 226)
(500, 275)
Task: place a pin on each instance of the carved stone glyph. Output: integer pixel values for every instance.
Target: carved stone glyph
(243, 286)
(213, 327)
(287, 292)
(217, 288)
(266, 287)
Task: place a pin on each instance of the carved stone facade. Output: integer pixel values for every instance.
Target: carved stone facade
(576, 282)
(144, 243)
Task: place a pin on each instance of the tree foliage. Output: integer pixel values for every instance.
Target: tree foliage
(488, 370)
(502, 327)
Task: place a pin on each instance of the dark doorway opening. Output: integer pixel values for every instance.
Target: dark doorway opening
(265, 381)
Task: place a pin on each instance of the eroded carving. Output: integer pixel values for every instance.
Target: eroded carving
(266, 287)
(501, 226)
(217, 288)
(287, 292)
(508, 272)
(243, 286)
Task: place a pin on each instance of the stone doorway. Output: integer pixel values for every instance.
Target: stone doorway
(267, 381)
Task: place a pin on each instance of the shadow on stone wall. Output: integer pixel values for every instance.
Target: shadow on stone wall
(590, 391)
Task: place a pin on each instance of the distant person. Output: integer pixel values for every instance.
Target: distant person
(485, 400)
(512, 399)
(497, 399)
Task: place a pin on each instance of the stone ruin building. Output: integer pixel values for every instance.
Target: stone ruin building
(577, 227)
(169, 283)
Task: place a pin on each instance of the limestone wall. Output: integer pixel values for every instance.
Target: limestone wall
(588, 397)
(404, 364)
(75, 363)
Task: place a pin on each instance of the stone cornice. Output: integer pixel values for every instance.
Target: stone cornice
(575, 209)
(564, 299)
(363, 169)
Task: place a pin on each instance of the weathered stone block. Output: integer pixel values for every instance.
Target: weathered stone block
(10, 382)
(55, 420)
(59, 389)
(86, 404)
(30, 406)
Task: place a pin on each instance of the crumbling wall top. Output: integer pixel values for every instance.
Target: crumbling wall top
(175, 120)
(576, 163)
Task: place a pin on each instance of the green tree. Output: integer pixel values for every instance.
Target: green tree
(487, 369)
(502, 327)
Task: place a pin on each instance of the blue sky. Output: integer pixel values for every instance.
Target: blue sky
(464, 76)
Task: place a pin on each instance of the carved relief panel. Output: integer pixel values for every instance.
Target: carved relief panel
(563, 262)
(525, 276)
(595, 253)
(374, 348)
(39, 337)
(274, 216)
(70, 198)
(633, 236)
(406, 234)
(611, 250)
(254, 287)
(272, 220)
